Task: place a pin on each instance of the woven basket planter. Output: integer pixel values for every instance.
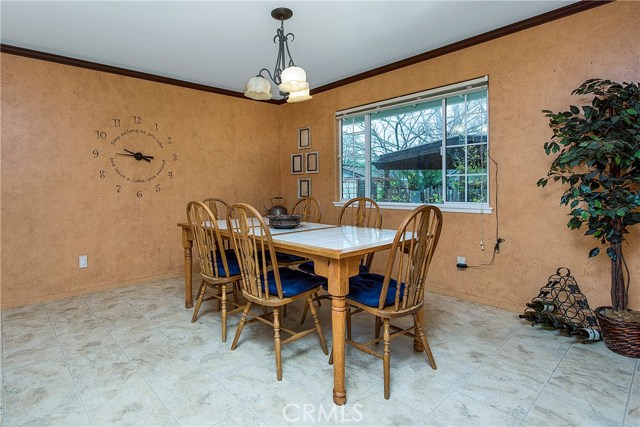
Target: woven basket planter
(621, 337)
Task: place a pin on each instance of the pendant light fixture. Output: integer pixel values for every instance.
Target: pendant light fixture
(291, 79)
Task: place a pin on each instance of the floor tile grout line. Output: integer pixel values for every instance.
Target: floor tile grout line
(66, 361)
(247, 407)
(456, 387)
(187, 354)
(590, 408)
(626, 406)
(160, 330)
(366, 395)
(128, 358)
(533, 404)
(242, 404)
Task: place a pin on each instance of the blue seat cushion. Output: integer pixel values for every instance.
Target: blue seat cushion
(294, 282)
(288, 258)
(308, 267)
(365, 288)
(232, 263)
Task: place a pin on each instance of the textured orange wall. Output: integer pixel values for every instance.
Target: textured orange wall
(54, 208)
(54, 205)
(528, 71)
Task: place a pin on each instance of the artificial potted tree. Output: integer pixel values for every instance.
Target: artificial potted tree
(598, 160)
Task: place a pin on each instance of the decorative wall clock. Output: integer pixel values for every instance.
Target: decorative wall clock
(134, 156)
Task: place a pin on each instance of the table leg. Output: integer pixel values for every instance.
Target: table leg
(337, 272)
(338, 317)
(187, 244)
(417, 344)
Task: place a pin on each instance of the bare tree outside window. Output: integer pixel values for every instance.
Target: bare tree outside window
(406, 149)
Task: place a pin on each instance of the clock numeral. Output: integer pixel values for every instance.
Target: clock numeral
(157, 188)
(116, 123)
(170, 174)
(103, 174)
(137, 120)
(169, 140)
(175, 157)
(96, 153)
(139, 194)
(100, 134)
(118, 187)
(156, 126)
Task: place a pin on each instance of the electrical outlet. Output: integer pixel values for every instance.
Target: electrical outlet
(462, 260)
(82, 261)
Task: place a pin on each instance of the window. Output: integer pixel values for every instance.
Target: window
(430, 147)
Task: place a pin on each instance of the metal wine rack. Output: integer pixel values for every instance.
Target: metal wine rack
(560, 305)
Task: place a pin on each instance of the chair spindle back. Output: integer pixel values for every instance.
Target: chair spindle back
(361, 212)
(217, 206)
(309, 208)
(253, 245)
(410, 256)
(206, 234)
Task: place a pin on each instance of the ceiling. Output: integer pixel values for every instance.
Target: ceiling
(223, 43)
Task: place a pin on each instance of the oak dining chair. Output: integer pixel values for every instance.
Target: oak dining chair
(219, 209)
(309, 208)
(218, 267)
(217, 206)
(400, 291)
(265, 283)
(359, 212)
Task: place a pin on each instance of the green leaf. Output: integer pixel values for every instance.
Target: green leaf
(597, 159)
(593, 252)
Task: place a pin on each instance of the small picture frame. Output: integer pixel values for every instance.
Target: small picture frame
(304, 187)
(311, 163)
(296, 164)
(304, 138)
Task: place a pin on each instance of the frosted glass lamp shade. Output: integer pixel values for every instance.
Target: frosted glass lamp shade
(294, 79)
(299, 96)
(258, 88)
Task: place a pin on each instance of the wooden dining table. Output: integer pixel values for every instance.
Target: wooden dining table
(336, 252)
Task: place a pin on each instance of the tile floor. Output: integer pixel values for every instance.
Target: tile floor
(131, 357)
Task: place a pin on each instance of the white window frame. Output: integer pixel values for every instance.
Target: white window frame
(437, 93)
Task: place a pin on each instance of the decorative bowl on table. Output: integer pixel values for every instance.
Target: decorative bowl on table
(284, 221)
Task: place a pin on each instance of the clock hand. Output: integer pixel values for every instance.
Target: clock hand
(138, 155)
